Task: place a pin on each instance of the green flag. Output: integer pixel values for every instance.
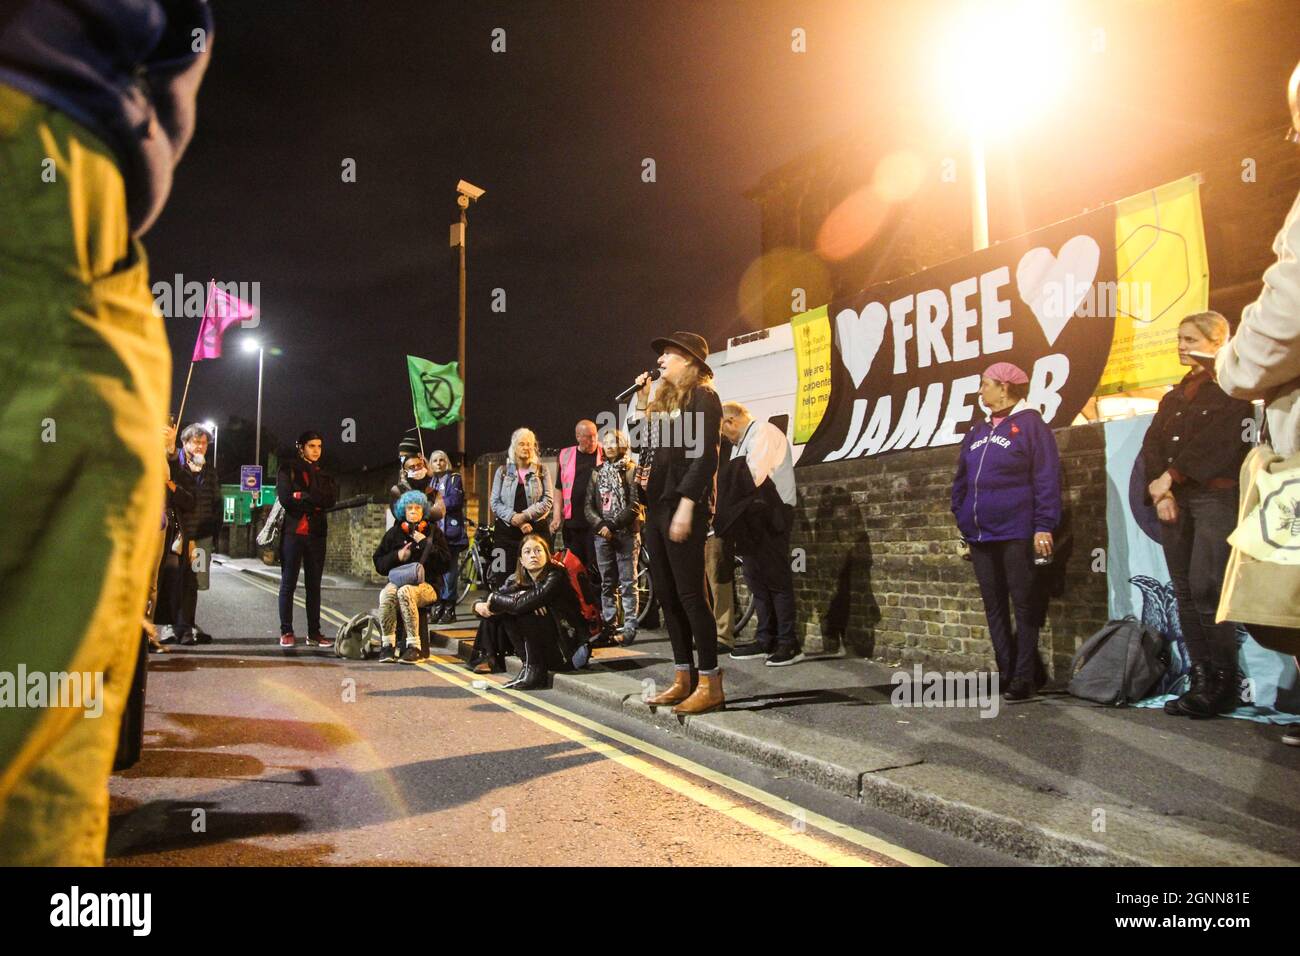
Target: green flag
(435, 392)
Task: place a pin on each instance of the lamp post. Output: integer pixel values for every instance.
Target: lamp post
(252, 345)
(1002, 62)
(467, 193)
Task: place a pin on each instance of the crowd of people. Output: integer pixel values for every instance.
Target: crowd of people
(695, 505)
(113, 87)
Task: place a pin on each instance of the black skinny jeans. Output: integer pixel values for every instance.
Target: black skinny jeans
(1196, 550)
(533, 637)
(677, 571)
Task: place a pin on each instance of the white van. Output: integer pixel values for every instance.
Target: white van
(758, 370)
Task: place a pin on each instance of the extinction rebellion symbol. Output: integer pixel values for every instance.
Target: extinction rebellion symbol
(438, 394)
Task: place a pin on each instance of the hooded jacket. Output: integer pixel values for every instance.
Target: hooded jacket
(432, 552)
(126, 70)
(451, 489)
(1008, 481)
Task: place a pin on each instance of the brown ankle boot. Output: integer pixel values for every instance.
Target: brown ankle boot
(683, 684)
(707, 697)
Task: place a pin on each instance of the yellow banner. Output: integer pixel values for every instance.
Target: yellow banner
(1163, 276)
(812, 355)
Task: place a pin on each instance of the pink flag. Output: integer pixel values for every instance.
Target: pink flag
(223, 310)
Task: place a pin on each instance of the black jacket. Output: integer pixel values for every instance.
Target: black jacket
(675, 473)
(748, 514)
(316, 490)
(199, 505)
(550, 593)
(1199, 432)
(627, 521)
(432, 552)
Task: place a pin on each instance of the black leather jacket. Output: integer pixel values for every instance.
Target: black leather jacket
(627, 521)
(550, 594)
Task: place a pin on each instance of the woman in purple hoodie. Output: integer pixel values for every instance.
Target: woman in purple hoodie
(1006, 497)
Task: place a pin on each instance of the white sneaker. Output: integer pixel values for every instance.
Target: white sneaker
(1291, 736)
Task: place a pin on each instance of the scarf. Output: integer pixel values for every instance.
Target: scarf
(610, 487)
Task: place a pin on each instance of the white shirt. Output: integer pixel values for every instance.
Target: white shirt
(767, 452)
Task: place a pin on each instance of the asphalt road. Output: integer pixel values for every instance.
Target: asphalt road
(258, 756)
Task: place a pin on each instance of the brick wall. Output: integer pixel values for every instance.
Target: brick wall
(884, 578)
(353, 536)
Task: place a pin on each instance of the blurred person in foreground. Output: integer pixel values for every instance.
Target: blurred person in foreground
(1262, 358)
(96, 108)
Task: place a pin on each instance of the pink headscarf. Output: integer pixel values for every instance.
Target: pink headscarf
(1006, 372)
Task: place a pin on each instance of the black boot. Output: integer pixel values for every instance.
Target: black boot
(525, 674)
(531, 678)
(1200, 678)
(1218, 695)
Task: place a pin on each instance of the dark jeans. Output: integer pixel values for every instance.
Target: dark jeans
(297, 551)
(1196, 550)
(767, 572)
(1005, 570)
(450, 584)
(677, 570)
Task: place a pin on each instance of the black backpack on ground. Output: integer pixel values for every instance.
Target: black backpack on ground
(1119, 664)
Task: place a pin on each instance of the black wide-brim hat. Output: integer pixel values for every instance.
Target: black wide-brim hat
(690, 343)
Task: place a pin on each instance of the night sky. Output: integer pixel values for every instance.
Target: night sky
(594, 262)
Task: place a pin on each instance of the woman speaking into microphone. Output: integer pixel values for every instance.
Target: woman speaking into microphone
(679, 432)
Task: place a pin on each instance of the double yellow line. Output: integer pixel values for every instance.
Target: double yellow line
(790, 826)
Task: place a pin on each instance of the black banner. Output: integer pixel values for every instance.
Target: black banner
(907, 355)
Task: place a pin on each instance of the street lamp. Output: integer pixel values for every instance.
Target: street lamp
(1003, 61)
(252, 345)
(468, 193)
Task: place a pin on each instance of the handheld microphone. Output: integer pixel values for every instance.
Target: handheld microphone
(654, 376)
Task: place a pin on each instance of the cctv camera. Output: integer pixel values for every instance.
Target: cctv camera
(469, 190)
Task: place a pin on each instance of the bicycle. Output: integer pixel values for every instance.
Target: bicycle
(744, 598)
(474, 567)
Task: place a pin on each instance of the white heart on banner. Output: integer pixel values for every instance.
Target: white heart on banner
(860, 337)
(1053, 286)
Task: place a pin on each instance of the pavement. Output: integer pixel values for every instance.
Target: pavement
(1052, 781)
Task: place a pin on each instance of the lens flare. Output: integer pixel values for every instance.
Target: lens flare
(781, 283)
(898, 176)
(852, 224)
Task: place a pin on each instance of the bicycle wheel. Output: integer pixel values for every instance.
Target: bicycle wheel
(469, 577)
(645, 591)
(744, 598)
